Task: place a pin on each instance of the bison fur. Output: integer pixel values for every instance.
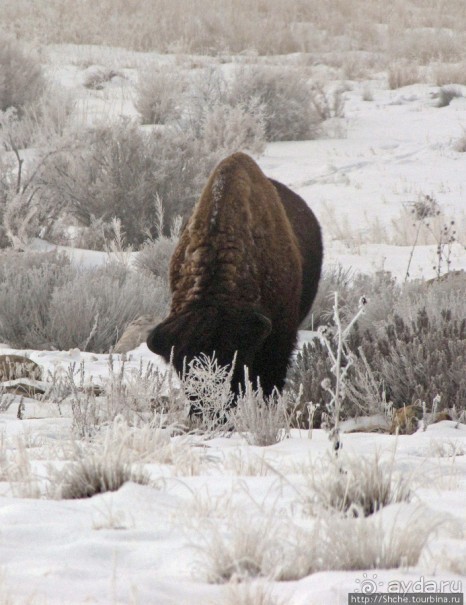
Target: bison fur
(243, 276)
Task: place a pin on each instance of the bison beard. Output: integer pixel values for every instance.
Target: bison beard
(243, 276)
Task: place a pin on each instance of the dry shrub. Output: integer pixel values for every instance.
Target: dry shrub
(219, 118)
(97, 472)
(424, 46)
(96, 77)
(27, 284)
(32, 110)
(46, 303)
(448, 73)
(92, 311)
(422, 358)
(285, 97)
(355, 485)
(241, 127)
(119, 171)
(21, 79)
(276, 103)
(419, 351)
(144, 397)
(245, 546)
(207, 386)
(402, 73)
(154, 257)
(410, 345)
(392, 538)
(160, 92)
(262, 421)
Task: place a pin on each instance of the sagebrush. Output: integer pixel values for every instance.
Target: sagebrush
(45, 302)
(408, 347)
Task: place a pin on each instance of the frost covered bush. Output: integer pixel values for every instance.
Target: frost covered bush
(262, 421)
(242, 546)
(409, 345)
(233, 128)
(427, 45)
(160, 92)
(113, 171)
(220, 119)
(92, 311)
(240, 112)
(154, 256)
(420, 358)
(27, 284)
(402, 73)
(45, 303)
(285, 97)
(419, 349)
(129, 397)
(312, 367)
(257, 103)
(21, 79)
(120, 172)
(206, 385)
(31, 108)
(97, 76)
(305, 380)
(355, 485)
(391, 538)
(96, 472)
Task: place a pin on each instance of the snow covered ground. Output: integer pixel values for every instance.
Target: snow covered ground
(151, 543)
(148, 544)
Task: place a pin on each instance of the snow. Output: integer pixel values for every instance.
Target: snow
(395, 148)
(142, 543)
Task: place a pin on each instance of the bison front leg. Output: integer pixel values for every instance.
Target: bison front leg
(271, 364)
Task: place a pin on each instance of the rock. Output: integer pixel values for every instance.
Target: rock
(136, 333)
(13, 367)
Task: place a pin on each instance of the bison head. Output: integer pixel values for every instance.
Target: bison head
(213, 331)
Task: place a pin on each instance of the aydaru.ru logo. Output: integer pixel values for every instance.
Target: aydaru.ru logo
(368, 585)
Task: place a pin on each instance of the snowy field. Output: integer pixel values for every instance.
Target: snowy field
(215, 520)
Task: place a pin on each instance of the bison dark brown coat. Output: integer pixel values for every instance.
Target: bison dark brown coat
(243, 276)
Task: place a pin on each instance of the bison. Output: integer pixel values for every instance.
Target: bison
(243, 276)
